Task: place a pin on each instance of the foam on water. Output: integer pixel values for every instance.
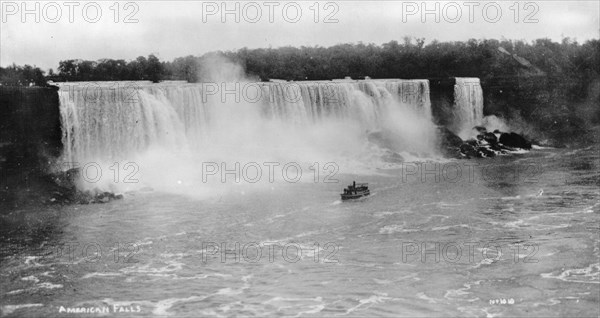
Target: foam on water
(300, 306)
(396, 228)
(462, 293)
(376, 298)
(589, 274)
(9, 309)
(37, 285)
(423, 296)
(371, 278)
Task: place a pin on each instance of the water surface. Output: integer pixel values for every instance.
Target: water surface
(167, 262)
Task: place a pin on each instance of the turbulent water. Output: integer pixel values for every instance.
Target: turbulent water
(509, 236)
(159, 251)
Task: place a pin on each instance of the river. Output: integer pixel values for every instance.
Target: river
(511, 236)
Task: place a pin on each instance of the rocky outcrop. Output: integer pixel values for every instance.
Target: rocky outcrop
(30, 139)
(490, 138)
(67, 191)
(486, 145)
(30, 142)
(449, 143)
(514, 140)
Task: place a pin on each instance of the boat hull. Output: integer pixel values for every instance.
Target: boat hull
(355, 195)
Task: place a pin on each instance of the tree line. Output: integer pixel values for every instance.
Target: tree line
(411, 58)
(554, 85)
(26, 75)
(74, 70)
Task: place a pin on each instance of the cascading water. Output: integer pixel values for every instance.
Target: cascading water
(414, 93)
(173, 127)
(468, 106)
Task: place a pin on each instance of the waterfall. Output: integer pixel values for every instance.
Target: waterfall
(468, 106)
(100, 123)
(295, 121)
(414, 93)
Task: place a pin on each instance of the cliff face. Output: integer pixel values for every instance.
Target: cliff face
(30, 137)
(441, 92)
(545, 107)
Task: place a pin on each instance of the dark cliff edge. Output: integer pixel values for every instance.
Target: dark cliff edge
(441, 94)
(550, 110)
(30, 141)
(559, 110)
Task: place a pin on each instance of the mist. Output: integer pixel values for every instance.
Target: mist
(212, 137)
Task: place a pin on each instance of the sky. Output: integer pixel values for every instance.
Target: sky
(94, 30)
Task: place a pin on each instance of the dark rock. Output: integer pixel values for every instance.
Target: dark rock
(485, 152)
(95, 196)
(30, 138)
(449, 143)
(108, 195)
(474, 149)
(448, 138)
(469, 150)
(67, 179)
(490, 138)
(480, 129)
(105, 197)
(497, 147)
(514, 140)
(472, 142)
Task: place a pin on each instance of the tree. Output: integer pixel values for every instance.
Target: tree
(68, 69)
(153, 69)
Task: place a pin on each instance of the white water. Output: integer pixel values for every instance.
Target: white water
(468, 106)
(169, 129)
(150, 249)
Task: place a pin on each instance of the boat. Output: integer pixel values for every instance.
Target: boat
(355, 191)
